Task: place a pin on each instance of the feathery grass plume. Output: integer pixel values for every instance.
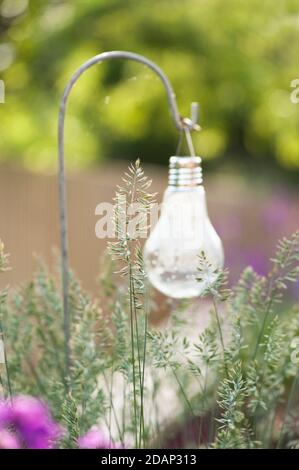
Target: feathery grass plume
(169, 351)
(5, 382)
(285, 269)
(214, 282)
(255, 297)
(3, 258)
(273, 360)
(266, 382)
(190, 363)
(288, 435)
(164, 346)
(253, 300)
(133, 196)
(233, 430)
(249, 294)
(206, 349)
(69, 417)
(291, 328)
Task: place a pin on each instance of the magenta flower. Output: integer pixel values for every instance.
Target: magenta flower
(26, 422)
(96, 439)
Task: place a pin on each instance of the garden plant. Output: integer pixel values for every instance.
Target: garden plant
(235, 386)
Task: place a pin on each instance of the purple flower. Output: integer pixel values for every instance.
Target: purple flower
(96, 439)
(26, 422)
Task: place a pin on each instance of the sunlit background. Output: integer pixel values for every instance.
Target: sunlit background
(236, 58)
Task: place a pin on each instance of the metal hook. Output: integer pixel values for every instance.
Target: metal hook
(182, 124)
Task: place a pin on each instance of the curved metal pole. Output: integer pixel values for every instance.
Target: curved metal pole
(180, 123)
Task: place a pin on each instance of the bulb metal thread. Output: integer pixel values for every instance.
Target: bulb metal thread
(184, 171)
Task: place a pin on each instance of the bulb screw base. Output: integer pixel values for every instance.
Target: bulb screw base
(184, 172)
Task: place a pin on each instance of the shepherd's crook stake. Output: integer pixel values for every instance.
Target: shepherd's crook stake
(182, 124)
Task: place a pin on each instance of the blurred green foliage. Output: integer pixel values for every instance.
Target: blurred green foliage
(236, 57)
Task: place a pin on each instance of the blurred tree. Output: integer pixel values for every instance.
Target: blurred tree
(236, 58)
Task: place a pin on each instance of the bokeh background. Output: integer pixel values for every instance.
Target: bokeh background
(236, 58)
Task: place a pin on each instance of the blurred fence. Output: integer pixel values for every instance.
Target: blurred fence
(29, 222)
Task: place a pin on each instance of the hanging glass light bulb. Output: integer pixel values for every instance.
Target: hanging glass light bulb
(183, 231)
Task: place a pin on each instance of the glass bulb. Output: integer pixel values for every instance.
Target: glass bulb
(183, 231)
